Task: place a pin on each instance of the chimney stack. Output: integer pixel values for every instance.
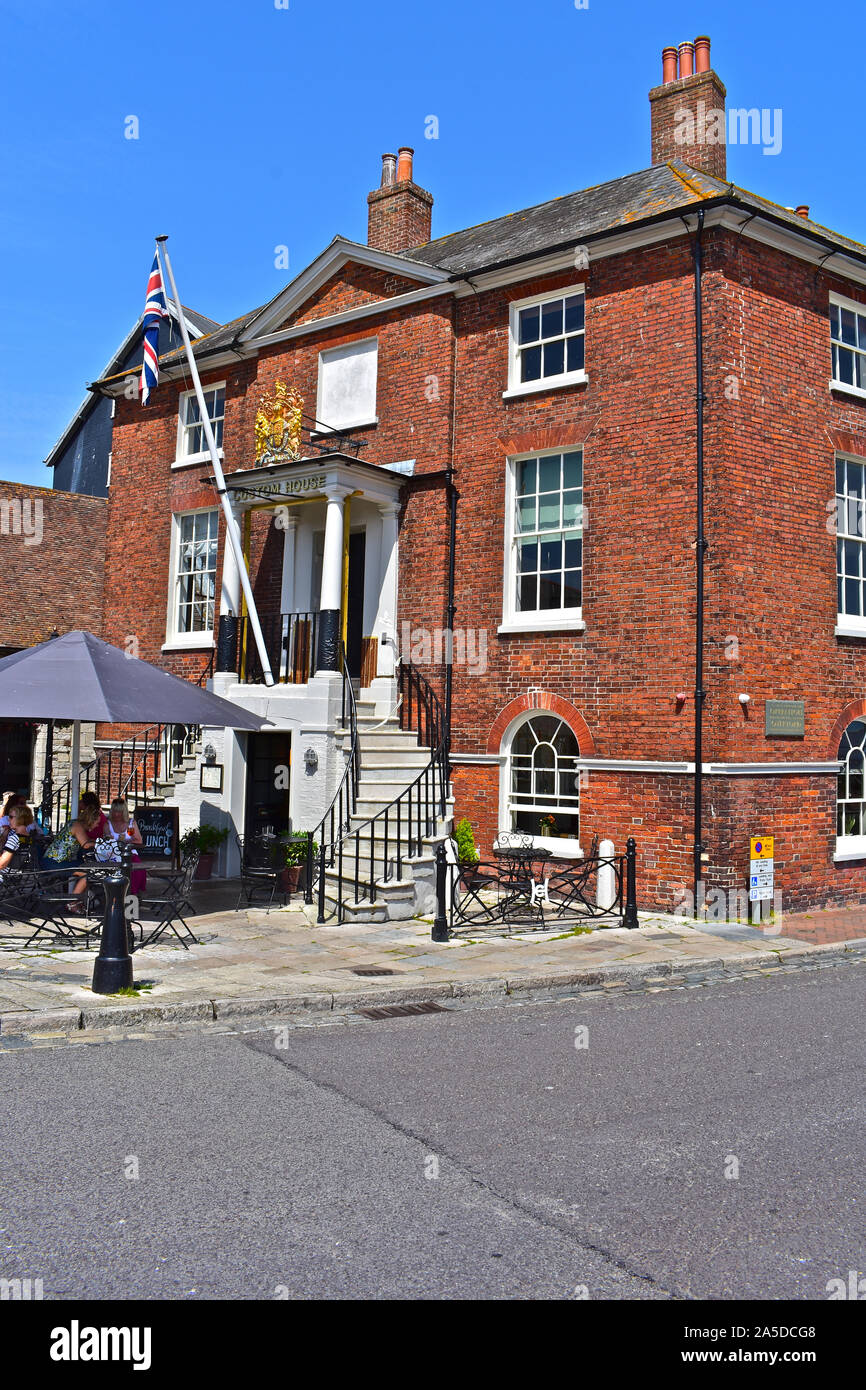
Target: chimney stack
(687, 111)
(399, 212)
(802, 210)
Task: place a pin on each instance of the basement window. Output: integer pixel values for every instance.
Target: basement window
(347, 386)
(851, 795)
(547, 341)
(848, 345)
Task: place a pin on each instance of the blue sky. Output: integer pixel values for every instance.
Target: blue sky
(262, 126)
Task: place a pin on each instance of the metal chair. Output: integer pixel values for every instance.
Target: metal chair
(261, 868)
(169, 905)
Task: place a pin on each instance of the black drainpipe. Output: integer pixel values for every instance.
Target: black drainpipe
(452, 545)
(700, 551)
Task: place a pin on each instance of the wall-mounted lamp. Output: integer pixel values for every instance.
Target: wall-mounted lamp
(311, 759)
(209, 754)
(744, 699)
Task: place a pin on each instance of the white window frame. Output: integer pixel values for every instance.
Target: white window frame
(360, 421)
(516, 387)
(514, 619)
(849, 846)
(849, 624)
(856, 307)
(186, 641)
(559, 846)
(184, 460)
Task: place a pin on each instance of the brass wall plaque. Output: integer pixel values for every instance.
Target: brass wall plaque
(785, 718)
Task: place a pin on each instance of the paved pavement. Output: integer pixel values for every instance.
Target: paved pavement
(252, 962)
(703, 1141)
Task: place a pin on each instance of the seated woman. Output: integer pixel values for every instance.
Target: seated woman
(19, 818)
(17, 799)
(92, 800)
(70, 842)
(122, 828)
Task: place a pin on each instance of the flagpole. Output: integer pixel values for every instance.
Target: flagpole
(232, 528)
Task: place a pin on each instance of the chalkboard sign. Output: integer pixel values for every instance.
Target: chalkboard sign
(160, 832)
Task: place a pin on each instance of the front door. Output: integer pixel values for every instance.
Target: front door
(268, 766)
(355, 602)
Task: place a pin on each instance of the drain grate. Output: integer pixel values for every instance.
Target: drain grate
(402, 1010)
(374, 970)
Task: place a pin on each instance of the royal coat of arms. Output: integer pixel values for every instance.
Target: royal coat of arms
(278, 426)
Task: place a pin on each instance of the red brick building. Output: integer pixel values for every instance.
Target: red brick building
(540, 371)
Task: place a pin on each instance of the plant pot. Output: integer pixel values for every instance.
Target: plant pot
(205, 866)
(289, 877)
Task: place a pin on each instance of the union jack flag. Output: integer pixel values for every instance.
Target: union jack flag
(154, 310)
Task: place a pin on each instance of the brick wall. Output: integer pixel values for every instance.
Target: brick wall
(56, 541)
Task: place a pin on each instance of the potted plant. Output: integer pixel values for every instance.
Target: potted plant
(295, 852)
(547, 825)
(207, 840)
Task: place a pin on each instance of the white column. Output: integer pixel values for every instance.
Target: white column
(230, 593)
(332, 561)
(287, 589)
(605, 892)
(386, 617)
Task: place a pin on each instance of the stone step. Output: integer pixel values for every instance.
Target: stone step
(378, 761)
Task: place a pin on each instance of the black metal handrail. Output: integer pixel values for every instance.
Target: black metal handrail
(337, 819)
(401, 827)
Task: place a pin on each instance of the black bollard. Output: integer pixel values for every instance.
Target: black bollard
(630, 918)
(112, 969)
(440, 930)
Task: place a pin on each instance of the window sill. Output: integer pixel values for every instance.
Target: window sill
(847, 852)
(847, 629)
(560, 848)
(343, 429)
(191, 642)
(553, 383)
(190, 459)
(846, 390)
(542, 629)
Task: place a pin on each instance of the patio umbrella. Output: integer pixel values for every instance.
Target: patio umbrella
(80, 677)
(77, 677)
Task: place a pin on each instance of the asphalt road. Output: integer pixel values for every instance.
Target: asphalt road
(472, 1153)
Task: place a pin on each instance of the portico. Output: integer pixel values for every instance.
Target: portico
(335, 522)
(338, 518)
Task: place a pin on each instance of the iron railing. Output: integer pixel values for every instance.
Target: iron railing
(360, 860)
(522, 895)
(322, 842)
(290, 642)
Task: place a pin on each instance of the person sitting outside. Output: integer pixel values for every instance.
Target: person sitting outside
(101, 824)
(19, 819)
(17, 799)
(123, 829)
(70, 843)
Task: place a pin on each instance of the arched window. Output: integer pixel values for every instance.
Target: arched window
(542, 787)
(851, 796)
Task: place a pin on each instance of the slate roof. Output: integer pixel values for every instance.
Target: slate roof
(634, 199)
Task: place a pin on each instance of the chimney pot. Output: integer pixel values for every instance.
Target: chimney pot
(687, 59)
(404, 164)
(389, 170)
(702, 53)
(802, 210)
(669, 65)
